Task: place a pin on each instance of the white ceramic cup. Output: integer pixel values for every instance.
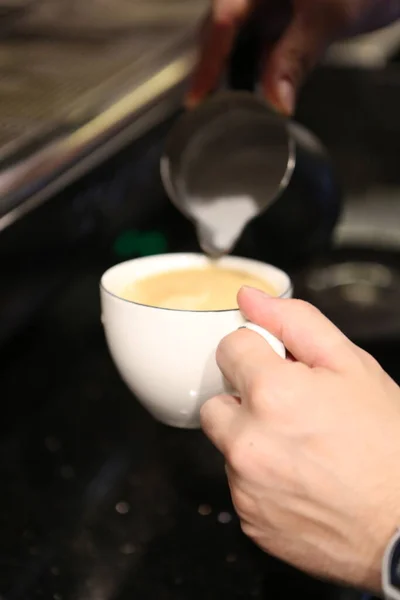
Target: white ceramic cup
(167, 357)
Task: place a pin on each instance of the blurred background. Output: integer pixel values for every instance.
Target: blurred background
(98, 501)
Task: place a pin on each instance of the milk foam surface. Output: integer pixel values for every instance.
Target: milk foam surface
(200, 289)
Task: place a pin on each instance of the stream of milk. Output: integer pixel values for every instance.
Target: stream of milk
(221, 221)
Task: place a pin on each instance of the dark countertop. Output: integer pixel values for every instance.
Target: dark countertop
(101, 502)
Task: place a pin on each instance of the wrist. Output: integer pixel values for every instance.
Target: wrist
(390, 580)
(379, 538)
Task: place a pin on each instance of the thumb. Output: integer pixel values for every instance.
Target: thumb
(293, 57)
(305, 332)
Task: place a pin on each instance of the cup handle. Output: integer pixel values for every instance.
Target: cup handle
(275, 344)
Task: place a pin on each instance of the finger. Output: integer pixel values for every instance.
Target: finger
(219, 417)
(243, 357)
(306, 333)
(216, 48)
(295, 54)
(217, 43)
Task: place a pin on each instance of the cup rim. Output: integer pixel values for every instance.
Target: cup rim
(186, 310)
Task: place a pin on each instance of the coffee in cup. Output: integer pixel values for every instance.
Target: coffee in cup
(210, 287)
(163, 332)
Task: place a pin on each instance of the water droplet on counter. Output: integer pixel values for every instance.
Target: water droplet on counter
(52, 443)
(122, 508)
(57, 596)
(128, 549)
(67, 472)
(231, 558)
(204, 510)
(224, 517)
